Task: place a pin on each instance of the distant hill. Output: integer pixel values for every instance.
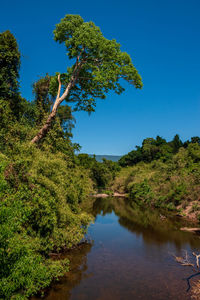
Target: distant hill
(109, 157)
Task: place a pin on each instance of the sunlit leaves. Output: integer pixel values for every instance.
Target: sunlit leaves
(103, 64)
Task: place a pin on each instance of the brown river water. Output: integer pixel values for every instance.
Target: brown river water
(129, 255)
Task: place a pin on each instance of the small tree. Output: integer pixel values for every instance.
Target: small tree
(9, 71)
(176, 143)
(99, 65)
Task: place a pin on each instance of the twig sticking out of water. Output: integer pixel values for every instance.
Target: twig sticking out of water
(197, 259)
(184, 261)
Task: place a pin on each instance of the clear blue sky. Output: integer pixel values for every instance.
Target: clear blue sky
(163, 39)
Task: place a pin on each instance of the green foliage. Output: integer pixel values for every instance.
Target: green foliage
(141, 192)
(12, 131)
(43, 101)
(41, 188)
(24, 270)
(40, 193)
(101, 64)
(153, 149)
(103, 173)
(9, 72)
(176, 143)
(9, 65)
(98, 67)
(194, 152)
(168, 183)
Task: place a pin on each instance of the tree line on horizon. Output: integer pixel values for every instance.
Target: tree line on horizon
(154, 149)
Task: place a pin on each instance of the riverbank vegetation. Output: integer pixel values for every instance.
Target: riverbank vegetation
(44, 184)
(163, 174)
(102, 173)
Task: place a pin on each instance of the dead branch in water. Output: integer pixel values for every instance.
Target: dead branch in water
(185, 261)
(197, 259)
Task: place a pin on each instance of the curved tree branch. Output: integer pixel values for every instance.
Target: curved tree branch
(59, 99)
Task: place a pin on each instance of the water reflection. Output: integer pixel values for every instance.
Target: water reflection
(154, 227)
(129, 258)
(78, 272)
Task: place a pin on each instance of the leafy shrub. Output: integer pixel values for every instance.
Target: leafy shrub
(141, 192)
(40, 194)
(102, 173)
(169, 184)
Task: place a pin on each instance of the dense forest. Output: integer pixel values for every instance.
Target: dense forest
(43, 183)
(40, 187)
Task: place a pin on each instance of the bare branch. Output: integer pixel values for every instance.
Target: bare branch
(59, 87)
(197, 259)
(59, 99)
(184, 261)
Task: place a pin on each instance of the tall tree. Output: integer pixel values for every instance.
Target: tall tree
(9, 71)
(176, 143)
(98, 67)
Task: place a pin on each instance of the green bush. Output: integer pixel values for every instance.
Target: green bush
(40, 193)
(101, 173)
(141, 192)
(169, 184)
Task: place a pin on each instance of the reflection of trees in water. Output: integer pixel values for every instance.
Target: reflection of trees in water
(142, 222)
(159, 235)
(103, 206)
(149, 223)
(78, 267)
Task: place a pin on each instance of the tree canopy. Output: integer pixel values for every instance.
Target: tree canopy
(98, 65)
(100, 62)
(153, 149)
